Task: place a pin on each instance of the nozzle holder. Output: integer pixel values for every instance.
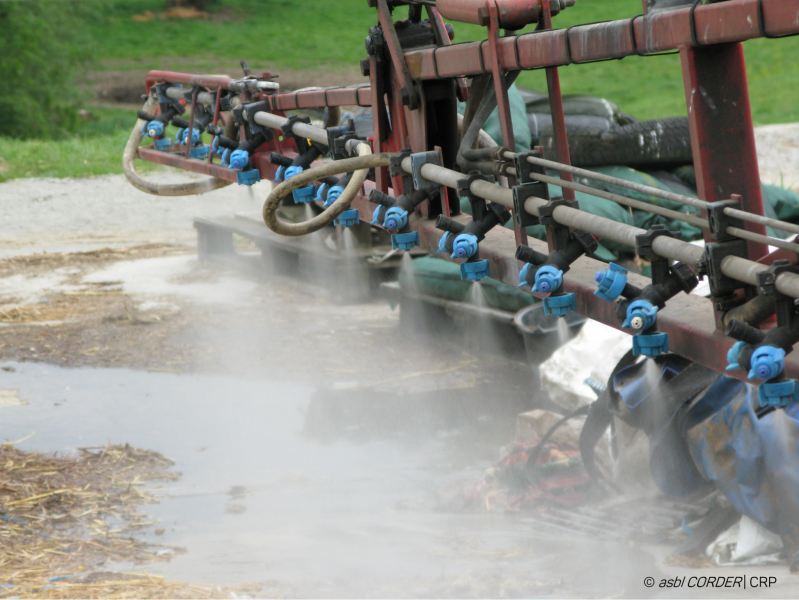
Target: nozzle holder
(525, 171)
(560, 233)
(404, 241)
(521, 193)
(477, 203)
(348, 218)
(475, 270)
(250, 109)
(248, 177)
(200, 152)
(778, 394)
(560, 305)
(288, 131)
(162, 144)
(652, 344)
(611, 282)
(418, 160)
(718, 221)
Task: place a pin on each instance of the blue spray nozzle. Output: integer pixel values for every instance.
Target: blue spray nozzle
(304, 195)
(291, 172)
(732, 356)
(280, 174)
(778, 394)
(442, 243)
(464, 246)
(547, 279)
(396, 218)
(348, 218)
(523, 275)
(767, 362)
(333, 193)
(239, 159)
(560, 305)
(611, 282)
(404, 241)
(183, 136)
(162, 144)
(250, 177)
(652, 344)
(155, 129)
(475, 271)
(376, 216)
(641, 315)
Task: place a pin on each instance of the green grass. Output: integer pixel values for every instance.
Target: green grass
(95, 150)
(320, 35)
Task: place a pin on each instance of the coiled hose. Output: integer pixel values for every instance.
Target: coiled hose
(160, 189)
(360, 165)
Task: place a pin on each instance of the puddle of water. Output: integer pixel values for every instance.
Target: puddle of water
(314, 489)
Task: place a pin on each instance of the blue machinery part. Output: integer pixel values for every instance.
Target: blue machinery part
(162, 144)
(248, 177)
(304, 194)
(560, 305)
(348, 218)
(200, 152)
(781, 393)
(332, 194)
(404, 241)
(547, 279)
(651, 344)
(153, 129)
(475, 270)
(611, 282)
(464, 246)
(239, 159)
(396, 218)
(641, 315)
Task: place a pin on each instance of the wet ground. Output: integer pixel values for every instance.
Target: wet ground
(336, 509)
(314, 439)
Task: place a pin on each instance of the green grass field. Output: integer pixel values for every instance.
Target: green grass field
(320, 35)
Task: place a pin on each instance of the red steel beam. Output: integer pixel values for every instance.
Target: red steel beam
(187, 164)
(722, 132)
(718, 23)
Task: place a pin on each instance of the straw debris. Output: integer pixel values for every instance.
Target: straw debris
(63, 518)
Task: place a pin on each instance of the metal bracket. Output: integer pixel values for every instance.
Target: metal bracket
(287, 130)
(559, 233)
(521, 193)
(250, 109)
(395, 170)
(767, 286)
(722, 288)
(165, 101)
(418, 160)
(478, 204)
(718, 222)
(525, 171)
(643, 241)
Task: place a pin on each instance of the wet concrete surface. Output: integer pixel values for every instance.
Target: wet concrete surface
(269, 493)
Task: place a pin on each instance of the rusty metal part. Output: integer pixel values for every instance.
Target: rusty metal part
(512, 14)
(360, 165)
(132, 151)
(408, 95)
(717, 23)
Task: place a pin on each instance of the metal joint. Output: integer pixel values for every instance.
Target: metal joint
(418, 160)
(722, 287)
(718, 222)
(250, 109)
(521, 193)
(643, 241)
